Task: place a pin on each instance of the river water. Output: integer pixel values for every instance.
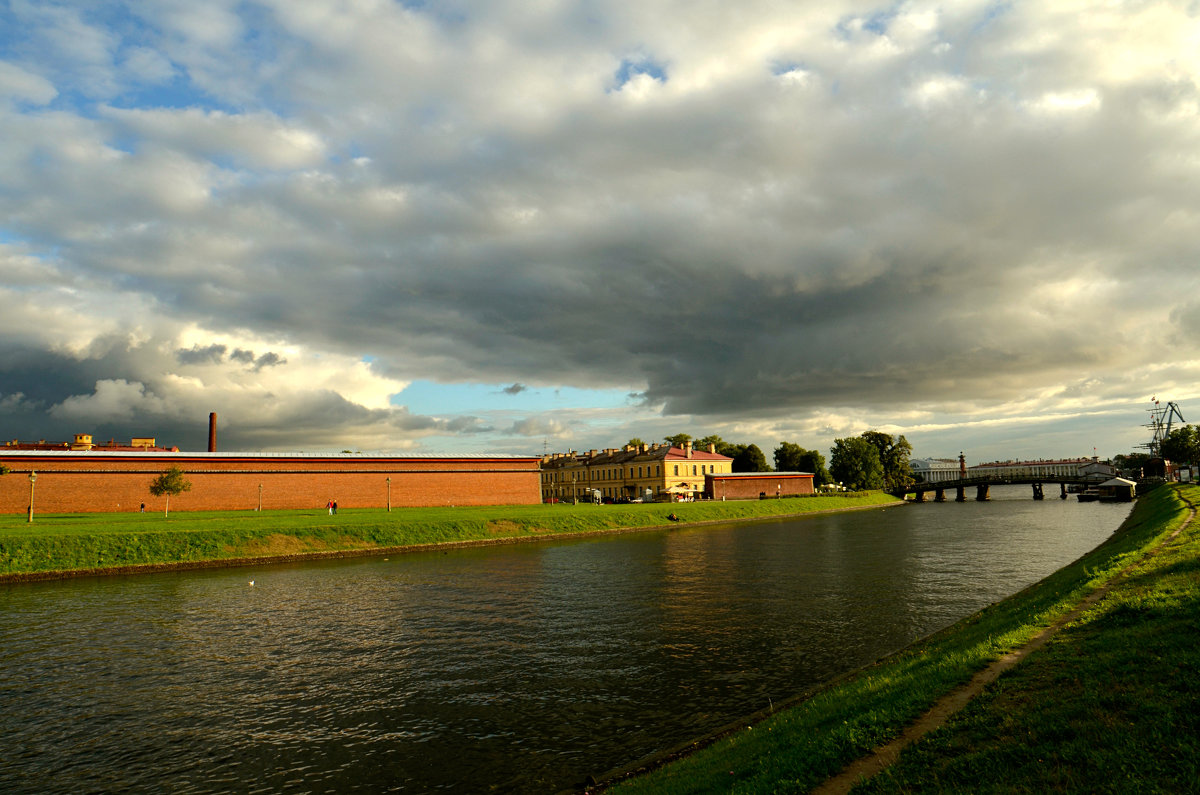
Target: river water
(507, 669)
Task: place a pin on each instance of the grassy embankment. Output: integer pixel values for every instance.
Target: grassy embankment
(85, 542)
(1109, 705)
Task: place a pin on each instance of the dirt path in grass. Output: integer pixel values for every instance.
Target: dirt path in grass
(886, 755)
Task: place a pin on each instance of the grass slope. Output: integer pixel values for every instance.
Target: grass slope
(84, 542)
(1111, 704)
(799, 748)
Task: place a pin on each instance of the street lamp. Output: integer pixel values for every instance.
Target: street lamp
(260, 497)
(32, 480)
(389, 482)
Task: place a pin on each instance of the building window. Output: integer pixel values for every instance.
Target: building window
(677, 469)
(693, 469)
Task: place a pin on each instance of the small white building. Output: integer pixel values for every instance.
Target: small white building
(935, 470)
(1094, 471)
(1117, 490)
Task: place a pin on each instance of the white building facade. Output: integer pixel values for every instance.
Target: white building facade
(935, 470)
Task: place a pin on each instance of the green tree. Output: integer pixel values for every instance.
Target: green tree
(720, 446)
(4, 470)
(855, 463)
(750, 458)
(1182, 445)
(169, 484)
(1131, 462)
(814, 462)
(895, 456)
(678, 440)
(787, 457)
(791, 457)
(634, 442)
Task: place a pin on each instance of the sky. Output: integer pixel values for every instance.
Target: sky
(444, 227)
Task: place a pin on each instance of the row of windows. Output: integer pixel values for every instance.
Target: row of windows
(1028, 471)
(606, 491)
(615, 473)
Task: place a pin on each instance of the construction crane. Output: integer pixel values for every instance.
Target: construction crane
(1161, 418)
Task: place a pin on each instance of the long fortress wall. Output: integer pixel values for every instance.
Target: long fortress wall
(84, 482)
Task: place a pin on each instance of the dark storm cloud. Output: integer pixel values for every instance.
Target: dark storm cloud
(206, 355)
(215, 354)
(119, 388)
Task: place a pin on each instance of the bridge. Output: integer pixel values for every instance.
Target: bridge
(981, 484)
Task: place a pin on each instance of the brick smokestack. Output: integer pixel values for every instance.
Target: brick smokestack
(212, 432)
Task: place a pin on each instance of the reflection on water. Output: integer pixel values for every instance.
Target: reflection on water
(514, 669)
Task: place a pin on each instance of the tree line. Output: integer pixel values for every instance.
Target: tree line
(1182, 445)
(872, 460)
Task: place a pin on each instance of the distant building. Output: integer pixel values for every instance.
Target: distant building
(934, 470)
(757, 485)
(1117, 490)
(83, 443)
(1089, 468)
(647, 472)
(1096, 470)
(940, 470)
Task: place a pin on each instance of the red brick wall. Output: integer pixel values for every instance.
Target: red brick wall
(95, 483)
(749, 487)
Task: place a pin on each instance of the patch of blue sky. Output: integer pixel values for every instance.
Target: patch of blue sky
(448, 14)
(632, 67)
(783, 67)
(29, 246)
(177, 94)
(876, 22)
(993, 12)
(429, 397)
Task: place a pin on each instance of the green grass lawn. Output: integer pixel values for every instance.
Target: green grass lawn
(73, 542)
(1111, 704)
(1108, 707)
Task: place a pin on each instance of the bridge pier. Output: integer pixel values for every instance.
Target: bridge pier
(981, 493)
(1062, 495)
(1037, 492)
(939, 495)
(962, 495)
(920, 496)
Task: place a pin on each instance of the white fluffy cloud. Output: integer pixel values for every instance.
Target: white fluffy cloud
(18, 85)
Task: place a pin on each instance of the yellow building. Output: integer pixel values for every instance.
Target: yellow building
(645, 472)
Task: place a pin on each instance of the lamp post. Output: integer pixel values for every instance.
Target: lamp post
(389, 482)
(260, 497)
(32, 480)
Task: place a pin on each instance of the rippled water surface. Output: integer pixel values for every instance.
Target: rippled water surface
(510, 669)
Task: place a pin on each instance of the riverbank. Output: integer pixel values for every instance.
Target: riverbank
(69, 545)
(1107, 705)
